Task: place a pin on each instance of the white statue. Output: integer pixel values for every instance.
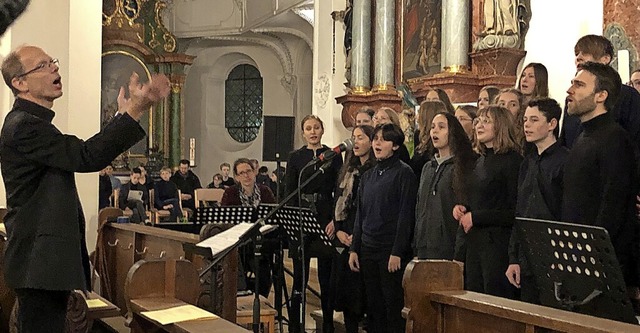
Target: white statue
(500, 17)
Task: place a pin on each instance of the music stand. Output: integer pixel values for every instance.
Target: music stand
(226, 215)
(288, 218)
(575, 268)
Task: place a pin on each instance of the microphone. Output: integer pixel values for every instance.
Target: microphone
(337, 150)
(9, 12)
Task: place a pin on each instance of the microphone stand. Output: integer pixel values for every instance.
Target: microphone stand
(258, 253)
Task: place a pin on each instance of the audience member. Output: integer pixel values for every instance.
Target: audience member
(227, 181)
(216, 182)
(104, 189)
(634, 81)
(187, 182)
(166, 195)
(115, 182)
(137, 205)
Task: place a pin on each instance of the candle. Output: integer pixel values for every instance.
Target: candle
(623, 65)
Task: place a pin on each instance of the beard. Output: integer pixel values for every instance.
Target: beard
(582, 106)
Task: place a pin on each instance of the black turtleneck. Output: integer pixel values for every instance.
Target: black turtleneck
(600, 183)
(386, 210)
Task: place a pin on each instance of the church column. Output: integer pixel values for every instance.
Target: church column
(361, 49)
(384, 49)
(455, 35)
(175, 123)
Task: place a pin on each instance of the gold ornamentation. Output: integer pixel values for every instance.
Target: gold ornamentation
(456, 69)
(127, 11)
(359, 90)
(176, 88)
(383, 87)
(169, 39)
(153, 43)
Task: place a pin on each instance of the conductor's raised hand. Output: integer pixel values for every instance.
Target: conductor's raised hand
(143, 96)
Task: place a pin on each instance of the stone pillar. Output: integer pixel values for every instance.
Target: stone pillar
(361, 48)
(175, 124)
(455, 35)
(384, 45)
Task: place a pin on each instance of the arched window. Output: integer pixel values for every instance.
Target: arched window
(243, 103)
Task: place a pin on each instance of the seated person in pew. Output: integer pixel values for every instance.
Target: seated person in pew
(166, 195)
(129, 197)
(539, 186)
(46, 255)
(187, 182)
(248, 193)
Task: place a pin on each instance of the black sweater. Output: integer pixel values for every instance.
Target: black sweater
(600, 184)
(164, 190)
(385, 217)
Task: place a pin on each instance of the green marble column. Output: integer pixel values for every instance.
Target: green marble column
(175, 125)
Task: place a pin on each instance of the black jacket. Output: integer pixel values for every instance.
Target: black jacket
(45, 224)
(188, 184)
(600, 185)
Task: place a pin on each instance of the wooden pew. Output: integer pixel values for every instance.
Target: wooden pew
(162, 284)
(122, 245)
(436, 302)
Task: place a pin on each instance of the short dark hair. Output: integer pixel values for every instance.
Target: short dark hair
(136, 170)
(225, 164)
(185, 162)
(241, 161)
(390, 132)
(550, 108)
(263, 169)
(607, 79)
(594, 45)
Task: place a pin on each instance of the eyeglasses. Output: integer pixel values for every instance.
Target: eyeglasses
(245, 173)
(482, 120)
(462, 118)
(41, 66)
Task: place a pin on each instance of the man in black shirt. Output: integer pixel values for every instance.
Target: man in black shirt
(539, 185)
(626, 111)
(227, 181)
(600, 180)
(187, 182)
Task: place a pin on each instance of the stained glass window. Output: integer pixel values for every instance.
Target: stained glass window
(243, 103)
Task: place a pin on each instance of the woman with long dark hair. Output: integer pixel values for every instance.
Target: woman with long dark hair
(348, 285)
(382, 233)
(488, 217)
(422, 153)
(317, 195)
(443, 184)
(533, 82)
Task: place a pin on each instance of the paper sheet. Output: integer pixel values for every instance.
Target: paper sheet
(96, 303)
(178, 314)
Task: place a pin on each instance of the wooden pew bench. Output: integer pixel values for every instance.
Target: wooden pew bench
(163, 284)
(436, 302)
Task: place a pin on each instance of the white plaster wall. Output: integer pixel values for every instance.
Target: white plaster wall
(69, 31)
(555, 28)
(204, 104)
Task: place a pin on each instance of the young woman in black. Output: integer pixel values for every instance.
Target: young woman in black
(319, 196)
(348, 285)
(385, 216)
(489, 216)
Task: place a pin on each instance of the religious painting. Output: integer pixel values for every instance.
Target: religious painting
(421, 32)
(117, 67)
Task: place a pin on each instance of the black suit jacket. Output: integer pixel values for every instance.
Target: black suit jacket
(45, 224)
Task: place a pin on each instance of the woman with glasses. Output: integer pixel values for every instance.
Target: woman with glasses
(349, 287)
(488, 217)
(317, 195)
(381, 245)
(465, 115)
(444, 183)
(246, 192)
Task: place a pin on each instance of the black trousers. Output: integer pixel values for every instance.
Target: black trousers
(324, 277)
(385, 296)
(486, 261)
(42, 310)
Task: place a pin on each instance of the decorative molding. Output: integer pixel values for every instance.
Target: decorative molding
(621, 41)
(278, 47)
(321, 90)
(299, 11)
(288, 31)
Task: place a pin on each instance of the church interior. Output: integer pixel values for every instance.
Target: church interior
(243, 74)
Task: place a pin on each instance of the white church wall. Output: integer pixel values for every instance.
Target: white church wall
(204, 104)
(554, 29)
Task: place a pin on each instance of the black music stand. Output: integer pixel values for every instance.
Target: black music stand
(288, 218)
(575, 268)
(226, 215)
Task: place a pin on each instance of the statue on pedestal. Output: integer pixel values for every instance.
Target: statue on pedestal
(505, 24)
